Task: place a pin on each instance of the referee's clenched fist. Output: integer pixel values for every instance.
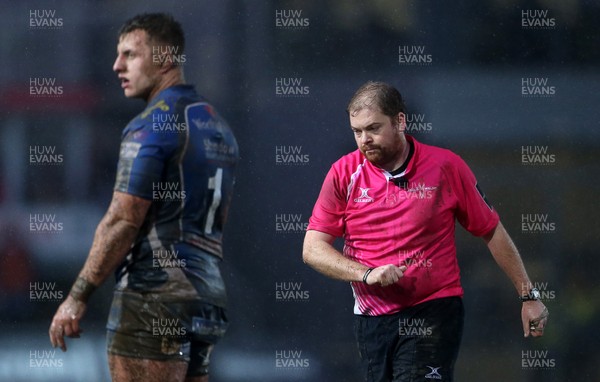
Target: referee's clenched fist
(384, 275)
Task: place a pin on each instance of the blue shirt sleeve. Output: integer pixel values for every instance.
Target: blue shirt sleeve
(142, 158)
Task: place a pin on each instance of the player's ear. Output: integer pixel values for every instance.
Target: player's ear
(166, 64)
(162, 58)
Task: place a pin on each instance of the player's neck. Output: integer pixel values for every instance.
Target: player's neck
(173, 78)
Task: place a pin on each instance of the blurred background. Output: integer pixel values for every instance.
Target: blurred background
(511, 86)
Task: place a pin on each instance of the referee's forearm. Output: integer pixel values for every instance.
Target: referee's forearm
(508, 259)
(324, 258)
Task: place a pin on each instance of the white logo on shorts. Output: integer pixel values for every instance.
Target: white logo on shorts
(434, 373)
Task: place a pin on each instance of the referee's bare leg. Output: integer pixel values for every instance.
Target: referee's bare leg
(127, 369)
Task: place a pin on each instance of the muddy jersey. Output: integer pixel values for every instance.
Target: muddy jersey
(407, 220)
(181, 155)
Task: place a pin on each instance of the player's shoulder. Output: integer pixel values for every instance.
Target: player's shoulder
(202, 110)
(164, 117)
(172, 101)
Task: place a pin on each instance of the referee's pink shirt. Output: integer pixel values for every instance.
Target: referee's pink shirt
(382, 223)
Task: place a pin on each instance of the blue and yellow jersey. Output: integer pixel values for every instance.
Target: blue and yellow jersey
(181, 155)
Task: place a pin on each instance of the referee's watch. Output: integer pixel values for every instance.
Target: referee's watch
(533, 295)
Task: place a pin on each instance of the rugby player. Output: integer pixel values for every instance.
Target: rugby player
(162, 233)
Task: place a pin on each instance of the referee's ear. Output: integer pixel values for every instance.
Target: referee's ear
(400, 121)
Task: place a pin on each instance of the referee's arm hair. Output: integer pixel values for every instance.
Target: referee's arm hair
(319, 253)
(508, 258)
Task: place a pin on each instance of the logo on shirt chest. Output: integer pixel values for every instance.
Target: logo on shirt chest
(412, 191)
(418, 191)
(364, 196)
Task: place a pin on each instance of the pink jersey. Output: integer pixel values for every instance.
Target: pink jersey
(383, 223)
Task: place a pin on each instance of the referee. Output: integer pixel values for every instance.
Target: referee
(395, 202)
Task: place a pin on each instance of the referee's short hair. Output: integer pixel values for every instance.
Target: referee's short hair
(377, 95)
(160, 27)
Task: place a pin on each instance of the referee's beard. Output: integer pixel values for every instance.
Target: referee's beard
(387, 156)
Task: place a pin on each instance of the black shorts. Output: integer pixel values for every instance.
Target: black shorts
(144, 326)
(419, 343)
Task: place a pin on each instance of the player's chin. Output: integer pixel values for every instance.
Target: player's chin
(130, 93)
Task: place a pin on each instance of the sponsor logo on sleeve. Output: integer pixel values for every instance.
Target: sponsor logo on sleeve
(130, 149)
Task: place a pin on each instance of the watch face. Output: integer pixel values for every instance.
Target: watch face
(535, 294)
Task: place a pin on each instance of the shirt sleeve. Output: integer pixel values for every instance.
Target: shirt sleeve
(329, 210)
(142, 158)
(474, 212)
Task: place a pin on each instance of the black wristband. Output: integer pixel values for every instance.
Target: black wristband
(82, 290)
(367, 274)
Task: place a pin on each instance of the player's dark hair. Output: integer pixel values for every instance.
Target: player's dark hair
(160, 27)
(377, 94)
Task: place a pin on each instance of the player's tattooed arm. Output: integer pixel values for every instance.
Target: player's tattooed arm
(82, 289)
(112, 241)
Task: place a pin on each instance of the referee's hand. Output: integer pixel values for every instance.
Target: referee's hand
(535, 318)
(385, 275)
